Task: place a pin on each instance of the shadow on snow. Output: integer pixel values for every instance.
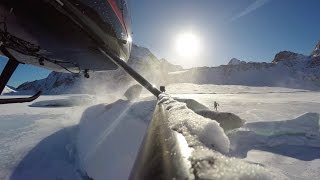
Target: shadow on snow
(52, 158)
(56, 157)
(297, 138)
(111, 136)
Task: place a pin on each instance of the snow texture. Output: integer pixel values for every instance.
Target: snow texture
(48, 142)
(206, 139)
(298, 138)
(110, 136)
(187, 122)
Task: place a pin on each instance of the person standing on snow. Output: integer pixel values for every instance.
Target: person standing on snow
(215, 104)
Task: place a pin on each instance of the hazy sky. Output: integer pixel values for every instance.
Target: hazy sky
(250, 30)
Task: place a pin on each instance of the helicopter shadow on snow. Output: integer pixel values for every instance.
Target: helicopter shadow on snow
(298, 138)
(56, 156)
(52, 158)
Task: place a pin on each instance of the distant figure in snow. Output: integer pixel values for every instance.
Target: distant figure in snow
(215, 104)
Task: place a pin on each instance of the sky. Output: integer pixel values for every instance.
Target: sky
(250, 30)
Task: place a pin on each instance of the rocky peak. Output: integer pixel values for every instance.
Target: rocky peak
(316, 51)
(287, 55)
(235, 61)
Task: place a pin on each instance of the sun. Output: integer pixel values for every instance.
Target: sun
(187, 44)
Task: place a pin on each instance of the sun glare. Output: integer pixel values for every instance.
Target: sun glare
(187, 45)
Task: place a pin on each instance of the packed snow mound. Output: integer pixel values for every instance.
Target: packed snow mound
(307, 124)
(133, 92)
(193, 104)
(208, 164)
(200, 129)
(109, 137)
(288, 137)
(206, 139)
(226, 120)
(8, 90)
(235, 61)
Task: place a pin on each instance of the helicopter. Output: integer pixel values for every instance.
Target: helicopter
(73, 36)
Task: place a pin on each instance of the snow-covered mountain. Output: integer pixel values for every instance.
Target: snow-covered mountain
(8, 90)
(316, 51)
(235, 61)
(141, 59)
(287, 69)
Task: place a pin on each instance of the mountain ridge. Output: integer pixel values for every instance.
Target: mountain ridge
(287, 69)
(141, 59)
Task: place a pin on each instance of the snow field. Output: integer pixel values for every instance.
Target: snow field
(206, 139)
(280, 138)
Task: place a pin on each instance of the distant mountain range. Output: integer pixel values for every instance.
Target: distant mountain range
(287, 69)
(141, 59)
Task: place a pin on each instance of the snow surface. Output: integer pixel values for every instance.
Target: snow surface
(56, 138)
(188, 123)
(33, 140)
(277, 121)
(203, 135)
(110, 136)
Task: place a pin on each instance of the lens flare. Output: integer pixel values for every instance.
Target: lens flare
(187, 45)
